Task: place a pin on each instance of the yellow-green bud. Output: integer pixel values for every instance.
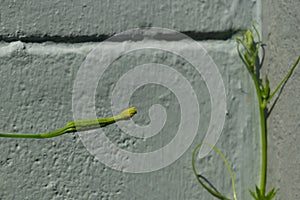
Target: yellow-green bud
(128, 113)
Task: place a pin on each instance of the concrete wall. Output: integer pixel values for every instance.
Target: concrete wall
(281, 34)
(43, 48)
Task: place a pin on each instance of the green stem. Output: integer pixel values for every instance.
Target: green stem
(263, 178)
(212, 191)
(262, 106)
(75, 126)
(287, 76)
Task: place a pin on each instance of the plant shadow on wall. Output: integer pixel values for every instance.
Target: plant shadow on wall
(248, 48)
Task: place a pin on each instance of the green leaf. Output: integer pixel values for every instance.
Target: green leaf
(260, 196)
(253, 194)
(250, 41)
(266, 88)
(258, 192)
(271, 194)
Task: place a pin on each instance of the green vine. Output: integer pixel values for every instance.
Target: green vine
(248, 50)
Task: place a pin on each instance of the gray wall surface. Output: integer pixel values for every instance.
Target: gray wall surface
(45, 45)
(281, 34)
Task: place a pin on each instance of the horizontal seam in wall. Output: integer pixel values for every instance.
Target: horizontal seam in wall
(198, 36)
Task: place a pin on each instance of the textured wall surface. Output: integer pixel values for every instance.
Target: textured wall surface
(43, 45)
(91, 19)
(281, 21)
(37, 97)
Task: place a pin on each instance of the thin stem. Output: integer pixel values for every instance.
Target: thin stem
(287, 76)
(257, 33)
(262, 107)
(210, 189)
(75, 126)
(242, 58)
(264, 145)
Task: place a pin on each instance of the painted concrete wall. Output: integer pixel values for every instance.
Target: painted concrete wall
(45, 45)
